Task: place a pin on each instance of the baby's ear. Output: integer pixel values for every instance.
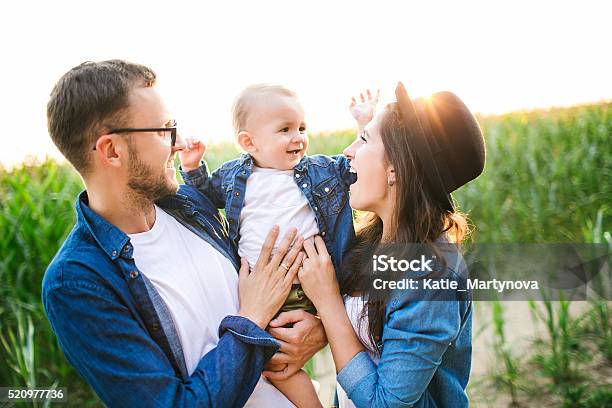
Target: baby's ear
(245, 140)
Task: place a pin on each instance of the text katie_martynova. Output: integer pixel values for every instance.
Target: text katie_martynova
(384, 263)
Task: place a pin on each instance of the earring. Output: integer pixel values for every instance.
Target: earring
(390, 182)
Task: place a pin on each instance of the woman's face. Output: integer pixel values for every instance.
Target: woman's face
(367, 153)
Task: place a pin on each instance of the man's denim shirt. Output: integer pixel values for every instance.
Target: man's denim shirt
(324, 180)
(116, 330)
(425, 350)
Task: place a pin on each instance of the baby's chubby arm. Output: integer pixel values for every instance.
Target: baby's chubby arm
(363, 112)
(196, 174)
(192, 154)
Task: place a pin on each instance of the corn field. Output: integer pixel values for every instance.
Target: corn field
(548, 178)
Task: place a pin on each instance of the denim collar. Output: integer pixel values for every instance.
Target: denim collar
(302, 165)
(177, 201)
(110, 238)
(247, 160)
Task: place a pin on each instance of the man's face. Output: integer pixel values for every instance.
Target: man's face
(151, 172)
(278, 131)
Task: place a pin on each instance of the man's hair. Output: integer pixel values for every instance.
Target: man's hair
(244, 102)
(88, 100)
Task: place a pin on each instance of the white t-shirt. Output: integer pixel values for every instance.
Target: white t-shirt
(272, 197)
(200, 288)
(354, 307)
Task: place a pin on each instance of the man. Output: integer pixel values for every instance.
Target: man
(143, 294)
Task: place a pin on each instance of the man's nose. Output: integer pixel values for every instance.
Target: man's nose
(179, 144)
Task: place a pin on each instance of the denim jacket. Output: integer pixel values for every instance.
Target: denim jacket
(425, 350)
(324, 180)
(113, 326)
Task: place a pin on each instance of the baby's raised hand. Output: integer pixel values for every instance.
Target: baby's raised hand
(192, 154)
(364, 111)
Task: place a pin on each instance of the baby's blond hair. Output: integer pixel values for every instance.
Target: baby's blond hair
(244, 102)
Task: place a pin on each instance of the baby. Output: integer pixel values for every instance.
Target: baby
(275, 183)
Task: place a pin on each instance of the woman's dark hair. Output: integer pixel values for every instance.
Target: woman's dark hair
(89, 98)
(418, 218)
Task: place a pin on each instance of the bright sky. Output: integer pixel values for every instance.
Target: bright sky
(497, 55)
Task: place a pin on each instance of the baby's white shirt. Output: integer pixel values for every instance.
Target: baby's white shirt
(272, 198)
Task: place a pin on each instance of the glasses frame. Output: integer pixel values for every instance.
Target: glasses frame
(172, 130)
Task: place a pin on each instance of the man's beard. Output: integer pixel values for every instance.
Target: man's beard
(146, 187)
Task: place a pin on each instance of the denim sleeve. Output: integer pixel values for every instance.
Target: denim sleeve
(208, 184)
(415, 337)
(343, 167)
(114, 353)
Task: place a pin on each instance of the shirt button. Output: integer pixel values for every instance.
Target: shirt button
(327, 189)
(134, 274)
(297, 175)
(114, 253)
(126, 248)
(304, 185)
(323, 234)
(155, 326)
(237, 193)
(316, 208)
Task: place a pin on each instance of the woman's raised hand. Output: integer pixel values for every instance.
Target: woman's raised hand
(263, 290)
(364, 110)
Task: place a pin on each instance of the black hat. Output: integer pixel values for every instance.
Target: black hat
(446, 138)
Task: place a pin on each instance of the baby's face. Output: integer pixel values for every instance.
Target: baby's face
(278, 131)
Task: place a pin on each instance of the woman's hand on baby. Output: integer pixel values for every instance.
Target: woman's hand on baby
(192, 154)
(364, 110)
(317, 275)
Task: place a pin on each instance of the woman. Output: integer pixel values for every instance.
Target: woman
(402, 347)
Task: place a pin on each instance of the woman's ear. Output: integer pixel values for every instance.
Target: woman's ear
(391, 176)
(245, 140)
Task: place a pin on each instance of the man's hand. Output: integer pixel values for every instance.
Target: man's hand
(192, 154)
(364, 111)
(298, 343)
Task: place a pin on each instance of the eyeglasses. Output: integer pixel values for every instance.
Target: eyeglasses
(169, 132)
